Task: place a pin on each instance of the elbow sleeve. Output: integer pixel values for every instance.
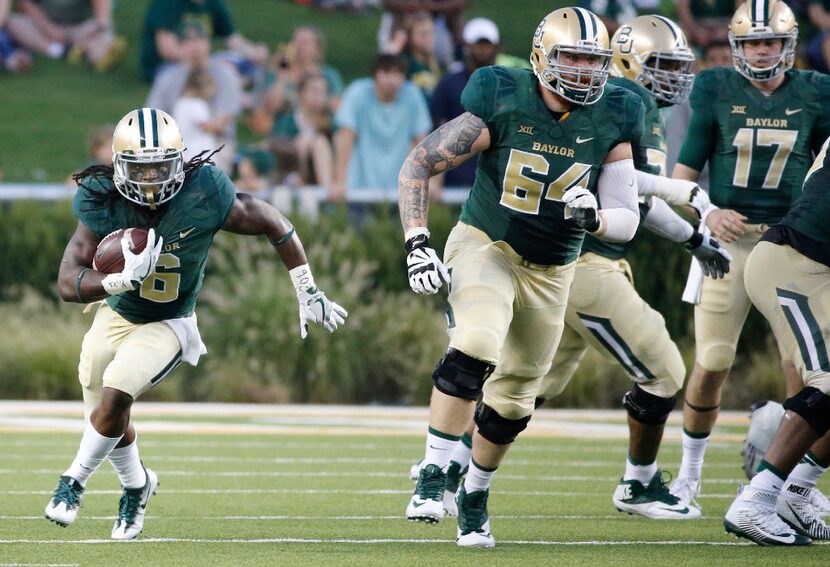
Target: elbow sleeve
(617, 190)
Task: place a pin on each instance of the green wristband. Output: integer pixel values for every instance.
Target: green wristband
(283, 239)
(78, 284)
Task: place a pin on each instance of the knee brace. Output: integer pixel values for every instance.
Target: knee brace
(647, 408)
(461, 376)
(814, 406)
(539, 402)
(497, 429)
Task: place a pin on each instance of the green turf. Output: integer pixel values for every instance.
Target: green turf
(554, 492)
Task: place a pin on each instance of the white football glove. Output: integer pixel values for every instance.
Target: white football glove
(425, 270)
(319, 309)
(137, 267)
(583, 206)
(697, 198)
(713, 258)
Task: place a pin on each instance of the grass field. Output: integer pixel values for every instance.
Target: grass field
(312, 485)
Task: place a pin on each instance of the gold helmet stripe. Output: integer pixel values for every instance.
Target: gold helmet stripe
(587, 24)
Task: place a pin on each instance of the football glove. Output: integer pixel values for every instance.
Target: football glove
(425, 270)
(698, 199)
(712, 257)
(320, 310)
(583, 207)
(137, 267)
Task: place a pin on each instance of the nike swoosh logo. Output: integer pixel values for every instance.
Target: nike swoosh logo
(789, 112)
(418, 504)
(437, 448)
(582, 140)
(184, 233)
(683, 511)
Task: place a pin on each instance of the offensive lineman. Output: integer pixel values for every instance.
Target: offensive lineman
(787, 277)
(146, 326)
(549, 140)
(651, 58)
(758, 125)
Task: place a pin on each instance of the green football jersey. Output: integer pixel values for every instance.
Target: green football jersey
(649, 156)
(805, 227)
(758, 147)
(187, 223)
(535, 156)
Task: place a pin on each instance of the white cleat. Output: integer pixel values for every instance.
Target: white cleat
(820, 502)
(414, 470)
(473, 520)
(753, 516)
(132, 507)
(427, 503)
(63, 506)
(652, 501)
(450, 505)
(795, 507)
(686, 490)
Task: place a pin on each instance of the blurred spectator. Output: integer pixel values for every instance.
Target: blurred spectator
(159, 44)
(225, 104)
(13, 58)
(818, 46)
(613, 13)
(449, 25)
(717, 54)
(301, 57)
(379, 121)
(191, 111)
(98, 149)
(253, 168)
(418, 50)
(706, 21)
(481, 37)
(75, 29)
(301, 140)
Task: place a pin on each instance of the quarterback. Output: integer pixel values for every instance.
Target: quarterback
(551, 143)
(145, 326)
(787, 277)
(758, 124)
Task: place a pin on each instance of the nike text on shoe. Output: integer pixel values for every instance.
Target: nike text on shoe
(653, 500)
(455, 474)
(132, 507)
(752, 516)
(686, 490)
(426, 504)
(795, 508)
(63, 506)
(473, 521)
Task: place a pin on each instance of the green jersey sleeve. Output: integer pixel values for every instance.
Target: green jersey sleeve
(477, 96)
(90, 205)
(698, 145)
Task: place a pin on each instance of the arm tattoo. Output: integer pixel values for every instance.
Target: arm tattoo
(442, 150)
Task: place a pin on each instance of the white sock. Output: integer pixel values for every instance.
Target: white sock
(693, 451)
(92, 452)
(462, 452)
(440, 447)
(478, 478)
(806, 473)
(128, 465)
(642, 473)
(767, 481)
(55, 50)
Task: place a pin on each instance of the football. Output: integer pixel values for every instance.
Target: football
(109, 258)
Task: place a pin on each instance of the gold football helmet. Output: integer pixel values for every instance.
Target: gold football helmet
(653, 51)
(763, 19)
(577, 32)
(147, 157)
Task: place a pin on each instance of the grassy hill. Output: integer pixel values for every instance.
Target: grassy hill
(47, 114)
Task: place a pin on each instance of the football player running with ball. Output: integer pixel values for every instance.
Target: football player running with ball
(758, 125)
(787, 278)
(550, 143)
(146, 325)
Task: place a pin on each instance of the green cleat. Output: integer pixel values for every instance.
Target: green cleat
(426, 504)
